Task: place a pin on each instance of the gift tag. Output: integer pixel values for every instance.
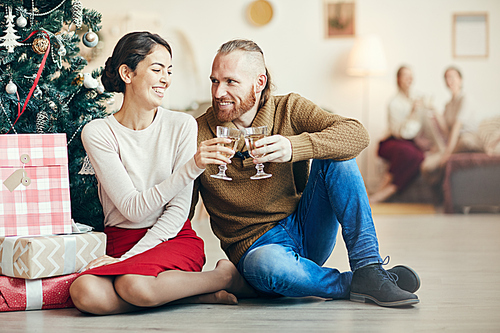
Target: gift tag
(17, 178)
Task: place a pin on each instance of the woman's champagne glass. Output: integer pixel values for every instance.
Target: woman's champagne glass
(230, 133)
(253, 134)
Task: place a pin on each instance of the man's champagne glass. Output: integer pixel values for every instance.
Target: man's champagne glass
(253, 134)
(230, 133)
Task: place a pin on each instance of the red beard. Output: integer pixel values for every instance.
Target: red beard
(246, 105)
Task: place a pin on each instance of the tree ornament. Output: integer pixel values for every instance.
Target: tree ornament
(40, 45)
(87, 168)
(42, 121)
(78, 80)
(60, 45)
(89, 82)
(110, 101)
(21, 21)
(11, 88)
(38, 92)
(9, 40)
(90, 39)
(53, 105)
(76, 13)
(100, 89)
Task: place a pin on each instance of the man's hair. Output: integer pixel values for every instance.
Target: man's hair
(256, 57)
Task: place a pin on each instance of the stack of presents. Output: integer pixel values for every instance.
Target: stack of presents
(41, 248)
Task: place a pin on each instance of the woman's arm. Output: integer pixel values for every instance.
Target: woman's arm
(173, 193)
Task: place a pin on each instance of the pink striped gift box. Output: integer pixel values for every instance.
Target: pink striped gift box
(34, 185)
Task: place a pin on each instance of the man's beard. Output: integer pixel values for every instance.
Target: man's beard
(246, 105)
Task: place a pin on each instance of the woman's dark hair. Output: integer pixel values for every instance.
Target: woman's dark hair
(130, 50)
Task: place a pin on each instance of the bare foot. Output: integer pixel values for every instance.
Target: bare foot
(383, 194)
(236, 284)
(219, 297)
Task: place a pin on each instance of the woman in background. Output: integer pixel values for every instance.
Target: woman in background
(400, 148)
(145, 160)
(460, 122)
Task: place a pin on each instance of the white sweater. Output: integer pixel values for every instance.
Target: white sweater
(144, 177)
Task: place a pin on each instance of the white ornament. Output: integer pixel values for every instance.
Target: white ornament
(61, 51)
(90, 39)
(38, 92)
(11, 88)
(100, 89)
(110, 101)
(21, 21)
(89, 82)
(9, 40)
(87, 168)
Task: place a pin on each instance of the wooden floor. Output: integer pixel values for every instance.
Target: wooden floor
(457, 257)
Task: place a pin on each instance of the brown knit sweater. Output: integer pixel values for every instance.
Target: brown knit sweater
(242, 210)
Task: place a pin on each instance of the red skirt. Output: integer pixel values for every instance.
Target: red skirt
(185, 252)
(404, 159)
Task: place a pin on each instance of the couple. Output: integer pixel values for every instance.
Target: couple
(276, 232)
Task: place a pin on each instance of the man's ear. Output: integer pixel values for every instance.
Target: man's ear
(125, 73)
(261, 83)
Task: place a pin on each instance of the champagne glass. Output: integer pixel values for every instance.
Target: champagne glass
(253, 134)
(230, 133)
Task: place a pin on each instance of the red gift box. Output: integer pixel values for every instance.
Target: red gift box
(34, 185)
(51, 293)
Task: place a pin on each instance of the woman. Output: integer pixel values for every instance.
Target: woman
(460, 121)
(144, 163)
(400, 148)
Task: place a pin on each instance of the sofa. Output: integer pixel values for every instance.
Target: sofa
(471, 182)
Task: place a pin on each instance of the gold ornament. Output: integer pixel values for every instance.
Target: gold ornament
(78, 80)
(40, 45)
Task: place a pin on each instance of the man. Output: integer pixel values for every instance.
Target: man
(279, 231)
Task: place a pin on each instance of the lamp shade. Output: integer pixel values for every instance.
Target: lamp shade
(367, 57)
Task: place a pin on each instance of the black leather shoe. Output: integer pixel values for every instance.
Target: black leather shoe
(375, 284)
(406, 278)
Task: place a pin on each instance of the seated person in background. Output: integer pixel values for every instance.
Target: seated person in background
(458, 129)
(406, 142)
(460, 121)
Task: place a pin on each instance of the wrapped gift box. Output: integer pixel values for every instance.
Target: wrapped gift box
(46, 256)
(34, 185)
(41, 294)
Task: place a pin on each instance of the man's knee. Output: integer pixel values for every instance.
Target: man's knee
(273, 262)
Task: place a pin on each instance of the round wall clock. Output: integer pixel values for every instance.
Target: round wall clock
(260, 12)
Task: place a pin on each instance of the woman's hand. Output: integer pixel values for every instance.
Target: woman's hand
(101, 261)
(209, 152)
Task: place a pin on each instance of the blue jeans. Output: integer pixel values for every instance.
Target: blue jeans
(287, 260)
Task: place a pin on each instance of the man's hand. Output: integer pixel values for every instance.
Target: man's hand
(277, 149)
(209, 152)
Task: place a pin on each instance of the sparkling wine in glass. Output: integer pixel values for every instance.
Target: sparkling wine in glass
(253, 134)
(234, 135)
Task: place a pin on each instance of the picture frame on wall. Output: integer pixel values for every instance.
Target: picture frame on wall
(470, 35)
(340, 18)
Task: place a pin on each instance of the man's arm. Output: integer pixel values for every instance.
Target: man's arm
(315, 134)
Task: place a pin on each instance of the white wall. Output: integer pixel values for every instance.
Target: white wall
(417, 33)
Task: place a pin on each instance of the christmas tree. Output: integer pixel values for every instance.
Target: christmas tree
(43, 89)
